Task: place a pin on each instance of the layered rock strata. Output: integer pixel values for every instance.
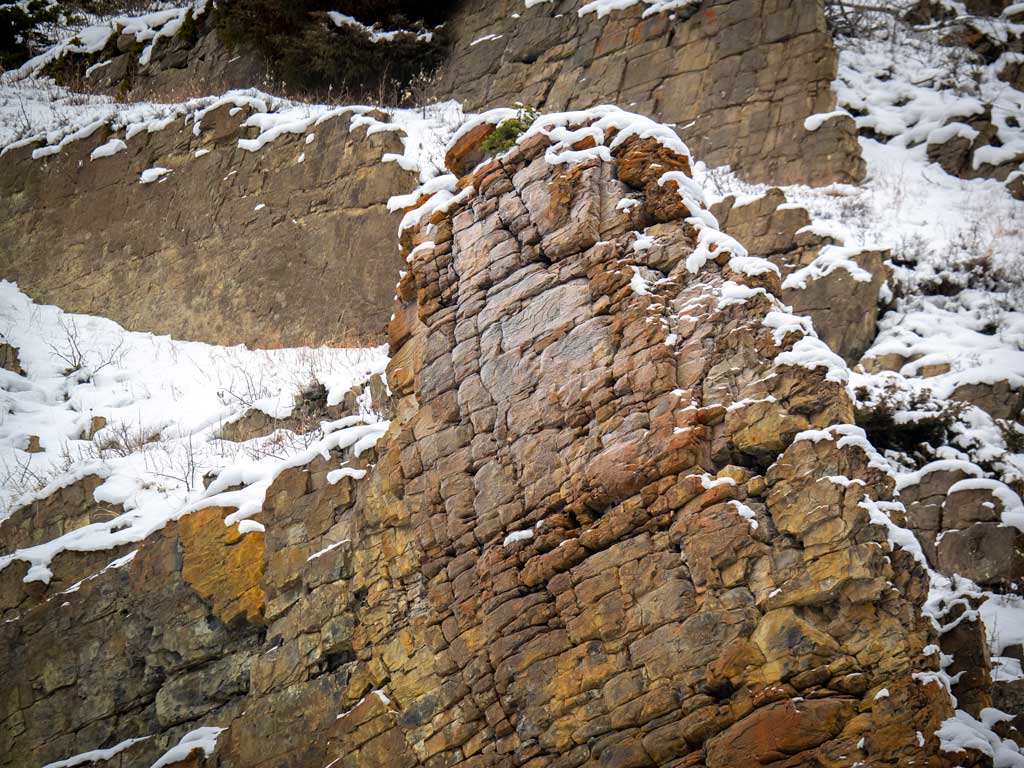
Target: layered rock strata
(738, 78)
(619, 518)
(172, 226)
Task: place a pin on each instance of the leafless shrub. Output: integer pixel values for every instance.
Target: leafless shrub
(123, 439)
(245, 387)
(854, 19)
(19, 477)
(71, 351)
(179, 462)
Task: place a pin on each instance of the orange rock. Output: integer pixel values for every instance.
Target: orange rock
(466, 153)
(777, 731)
(224, 567)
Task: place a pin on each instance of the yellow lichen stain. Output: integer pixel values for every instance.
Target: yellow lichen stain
(223, 566)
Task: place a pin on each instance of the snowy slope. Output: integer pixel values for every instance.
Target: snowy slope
(163, 403)
(957, 314)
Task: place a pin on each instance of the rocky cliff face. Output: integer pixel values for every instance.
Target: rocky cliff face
(620, 518)
(224, 240)
(738, 78)
(663, 467)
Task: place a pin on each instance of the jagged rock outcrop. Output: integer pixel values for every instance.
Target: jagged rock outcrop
(619, 518)
(737, 77)
(228, 245)
(839, 288)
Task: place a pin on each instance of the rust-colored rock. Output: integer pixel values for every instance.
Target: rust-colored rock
(466, 152)
(222, 565)
(592, 535)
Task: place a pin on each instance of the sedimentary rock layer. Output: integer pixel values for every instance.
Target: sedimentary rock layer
(738, 78)
(619, 519)
(287, 246)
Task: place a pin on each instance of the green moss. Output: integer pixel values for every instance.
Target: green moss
(509, 130)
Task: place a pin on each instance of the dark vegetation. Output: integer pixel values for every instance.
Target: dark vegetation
(913, 424)
(311, 56)
(305, 53)
(28, 28)
(509, 130)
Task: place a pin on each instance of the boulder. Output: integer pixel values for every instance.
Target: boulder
(840, 291)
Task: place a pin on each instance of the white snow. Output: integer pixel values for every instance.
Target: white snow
(746, 513)
(204, 739)
(146, 28)
(485, 39)
(326, 550)
(37, 116)
(336, 475)
(374, 33)
(814, 122)
(603, 7)
(109, 149)
(96, 755)
(830, 258)
(164, 402)
(637, 283)
(155, 173)
(517, 536)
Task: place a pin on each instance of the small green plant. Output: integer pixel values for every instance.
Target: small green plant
(509, 130)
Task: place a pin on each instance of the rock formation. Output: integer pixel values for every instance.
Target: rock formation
(229, 243)
(738, 78)
(620, 518)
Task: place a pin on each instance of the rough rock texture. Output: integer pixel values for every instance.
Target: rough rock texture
(954, 151)
(842, 299)
(310, 409)
(959, 527)
(841, 302)
(9, 359)
(64, 510)
(738, 77)
(590, 537)
(231, 246)
(178, 69)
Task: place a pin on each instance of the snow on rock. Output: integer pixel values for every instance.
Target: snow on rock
(811, 352)
(848, 435)
(155, 173)
(96, 755)
(146, 28)
(962, 732)
(109, 149)
(831, 258)
(1013, 508)
(374, 33)
(423, 132)
(517, 536)
(164, 403)
(746, 513)
(603, 7)
(200, 739)
(814, 122)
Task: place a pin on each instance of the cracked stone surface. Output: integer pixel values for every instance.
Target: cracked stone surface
(596, 533)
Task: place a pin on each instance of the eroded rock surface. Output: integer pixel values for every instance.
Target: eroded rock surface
(738, 77)
(620, 518)
(228, 246)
